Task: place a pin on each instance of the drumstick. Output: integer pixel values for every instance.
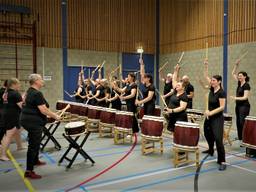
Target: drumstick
(68, 94)
(182, 54)
(161, 97)
(65, 109)
(102, 64)
(206, 103)
(161, 68)
(206, 51)
(243, 55)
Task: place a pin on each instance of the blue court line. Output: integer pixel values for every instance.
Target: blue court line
(177, 177)
(49, 158)
(139, 174)
(83, 188)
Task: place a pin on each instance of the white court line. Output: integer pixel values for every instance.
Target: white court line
(149, 174)
(242, 168)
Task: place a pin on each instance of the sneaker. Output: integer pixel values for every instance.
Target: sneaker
(222, 167)
(32, 175)
(40, 163)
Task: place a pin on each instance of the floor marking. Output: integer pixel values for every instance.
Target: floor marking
(123, 179)
(242, 168)
(21, 172)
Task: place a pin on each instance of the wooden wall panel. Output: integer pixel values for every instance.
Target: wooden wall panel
(189, 24)
(242, 21)
(111, 25)
(48, 16)
(123, 25)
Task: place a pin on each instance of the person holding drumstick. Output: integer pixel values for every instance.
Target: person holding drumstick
(115, 100)
(177, 103)
(242, 103)
(214, 122)
(149, 96)
(130, 96)
(33, 118)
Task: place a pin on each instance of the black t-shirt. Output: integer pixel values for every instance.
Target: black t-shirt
(34, 98)
(2, 90)
(83, 93)
(189, 88)
(131, 102)
(146, 92)
(167, 87)
(213, 100)
(102, 91)
(11, 111)
(240, 93)
(174, 101)
(116, 104)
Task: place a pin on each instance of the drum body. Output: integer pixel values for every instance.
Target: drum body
(75, 108)
(195, 114)
(75, 128)
(249, 132)
(84, 110)
(152, 126)
(94, 112)
(186, 134)
(227, 117)
(107, 116)
(124, 119)
(61, 104)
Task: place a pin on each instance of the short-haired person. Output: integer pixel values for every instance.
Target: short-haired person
(33, 118)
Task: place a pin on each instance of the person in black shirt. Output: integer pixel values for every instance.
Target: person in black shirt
(12, 103)
(242, 103)
(130, 97)
(214, 122)
(33, 118)
(149, 96)
(80, 90)
(189, 89)
(177, 103)
(2, 90)
(115, 100)
(168, 88)
(99, 95)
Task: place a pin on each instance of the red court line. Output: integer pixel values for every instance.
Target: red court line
(107, 169)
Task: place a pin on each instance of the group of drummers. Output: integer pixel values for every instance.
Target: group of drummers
(31, 110)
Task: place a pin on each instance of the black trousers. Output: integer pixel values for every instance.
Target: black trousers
(2, 131)
(34, 140)
(149, 109)
(213, 132)
(133, 108)
(241, 112)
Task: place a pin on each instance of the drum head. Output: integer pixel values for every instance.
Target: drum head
(186, 124)
(75, 124)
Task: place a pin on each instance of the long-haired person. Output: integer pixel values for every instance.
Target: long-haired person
(33, 118)
(130, 91)
(114, 99)
(177, 103)
(12, 103)
(214, 122)
(242, 103)
(149, 96)
(2, 90)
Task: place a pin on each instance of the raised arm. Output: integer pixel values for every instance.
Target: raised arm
(234, 71)
(206, 75)
(175, 75)
(142, 70)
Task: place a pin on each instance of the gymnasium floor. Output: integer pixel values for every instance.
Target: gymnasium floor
(154, 172)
